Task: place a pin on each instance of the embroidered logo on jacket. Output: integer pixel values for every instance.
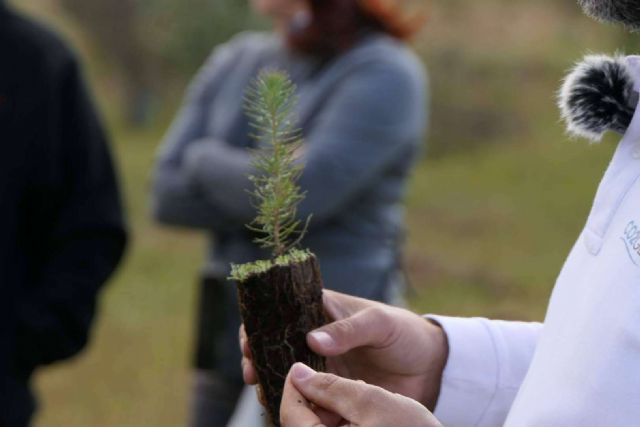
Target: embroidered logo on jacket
(631, 239)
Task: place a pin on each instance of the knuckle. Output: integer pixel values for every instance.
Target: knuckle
(372, 396)
(379, 313)
(344, 328)
(370, 400)
(385, 321)
(328, 381)
(372, 404)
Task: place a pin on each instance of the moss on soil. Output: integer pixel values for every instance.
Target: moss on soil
(241, 272)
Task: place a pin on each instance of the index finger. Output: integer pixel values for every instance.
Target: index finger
(340, 306)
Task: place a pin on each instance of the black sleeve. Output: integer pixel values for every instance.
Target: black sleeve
(85, 236)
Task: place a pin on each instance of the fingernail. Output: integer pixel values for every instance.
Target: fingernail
(323, 338)
(302, 371)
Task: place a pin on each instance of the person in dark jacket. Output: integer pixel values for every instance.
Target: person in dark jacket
(62, 231)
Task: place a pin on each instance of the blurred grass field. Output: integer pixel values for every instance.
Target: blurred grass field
(493, 209)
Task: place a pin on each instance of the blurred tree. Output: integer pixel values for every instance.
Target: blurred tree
(114, 29)
(185, 31)
(153, 43)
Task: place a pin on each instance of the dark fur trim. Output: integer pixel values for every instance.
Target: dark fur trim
(597, 96)
(626, 12)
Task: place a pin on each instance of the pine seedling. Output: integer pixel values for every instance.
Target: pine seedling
(280, 299)
(270, 104)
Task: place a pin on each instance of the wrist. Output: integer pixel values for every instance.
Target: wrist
(437, 360)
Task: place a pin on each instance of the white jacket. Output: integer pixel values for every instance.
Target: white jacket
(582, 367)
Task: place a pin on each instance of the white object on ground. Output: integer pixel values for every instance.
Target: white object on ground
(249, 412)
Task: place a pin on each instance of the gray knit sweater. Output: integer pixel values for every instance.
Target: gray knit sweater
(363, 117)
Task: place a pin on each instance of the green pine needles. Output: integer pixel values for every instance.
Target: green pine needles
(270, 103)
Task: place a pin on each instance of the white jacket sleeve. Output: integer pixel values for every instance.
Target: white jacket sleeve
(488, 360)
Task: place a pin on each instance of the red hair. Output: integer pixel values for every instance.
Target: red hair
(335, 25)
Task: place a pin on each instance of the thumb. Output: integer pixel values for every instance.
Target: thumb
(344, 398)
(372, 327)
(296, 410)
(356, 402)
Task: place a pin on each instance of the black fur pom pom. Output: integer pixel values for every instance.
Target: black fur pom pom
(625, 12)
(598, 96)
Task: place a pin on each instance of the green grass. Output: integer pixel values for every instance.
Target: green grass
(493, 210)
(489, 230)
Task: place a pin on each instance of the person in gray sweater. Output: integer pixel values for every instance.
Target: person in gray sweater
(363, 114)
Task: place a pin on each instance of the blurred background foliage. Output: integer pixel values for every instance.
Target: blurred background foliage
(494, 207)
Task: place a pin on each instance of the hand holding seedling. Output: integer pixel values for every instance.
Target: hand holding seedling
(382, 345)
(313, 399)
